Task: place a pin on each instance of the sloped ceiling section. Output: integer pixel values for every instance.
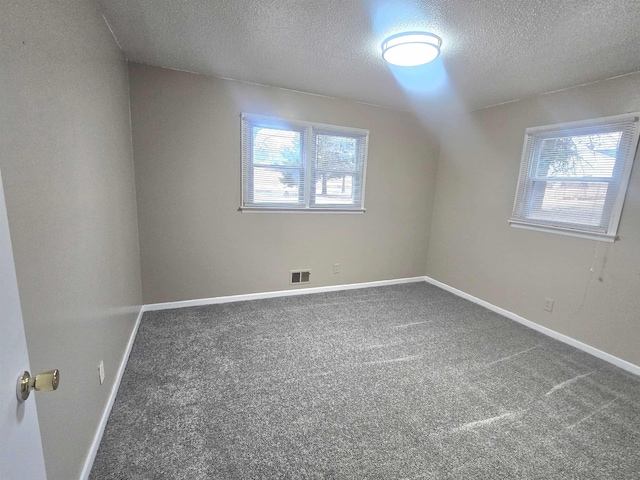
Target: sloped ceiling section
(494, 51)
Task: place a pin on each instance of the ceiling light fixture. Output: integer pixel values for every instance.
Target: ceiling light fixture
(411, 48)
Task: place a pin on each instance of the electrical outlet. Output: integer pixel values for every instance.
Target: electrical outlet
(101, 372)
(548, 304)
(336, 268)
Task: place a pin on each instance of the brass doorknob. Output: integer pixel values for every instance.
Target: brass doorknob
(44, 382)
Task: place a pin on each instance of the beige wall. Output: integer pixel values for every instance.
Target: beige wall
(66, 162)
(474, 249)
(194, 241)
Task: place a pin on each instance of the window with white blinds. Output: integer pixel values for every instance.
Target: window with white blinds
(302, 166)
(574, 176)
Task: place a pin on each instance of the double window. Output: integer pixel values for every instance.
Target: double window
(302, 166)
(574, 176)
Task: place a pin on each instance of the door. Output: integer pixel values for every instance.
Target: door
(21, 454)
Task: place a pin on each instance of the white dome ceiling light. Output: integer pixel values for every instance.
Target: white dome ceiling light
(411, 48)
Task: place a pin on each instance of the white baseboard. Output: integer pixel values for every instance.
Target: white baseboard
(618, 362)
(281, 293)
(112, 398)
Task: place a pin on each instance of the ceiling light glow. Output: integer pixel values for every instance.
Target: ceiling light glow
(411, 49)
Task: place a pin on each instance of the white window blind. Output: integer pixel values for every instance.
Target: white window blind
(573, 176)
(302, 166)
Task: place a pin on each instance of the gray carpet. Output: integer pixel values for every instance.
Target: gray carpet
(406, 381)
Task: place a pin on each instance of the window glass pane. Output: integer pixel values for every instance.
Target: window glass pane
(336, 153)
(276, 185)
(334, 189)
(569, 202)
(272, 146)
(578, 156)
(336, 162)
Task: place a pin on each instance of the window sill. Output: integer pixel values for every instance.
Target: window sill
(601, 237)
(299, 210)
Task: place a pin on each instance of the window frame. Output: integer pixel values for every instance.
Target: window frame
(308, 170)
(628, 124)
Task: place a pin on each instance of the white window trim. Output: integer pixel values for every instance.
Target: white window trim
(310, 128)
(527, 161)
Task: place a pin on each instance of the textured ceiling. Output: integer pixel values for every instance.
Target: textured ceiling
(493, 51)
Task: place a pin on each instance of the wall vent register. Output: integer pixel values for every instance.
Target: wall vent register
(300, 276)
